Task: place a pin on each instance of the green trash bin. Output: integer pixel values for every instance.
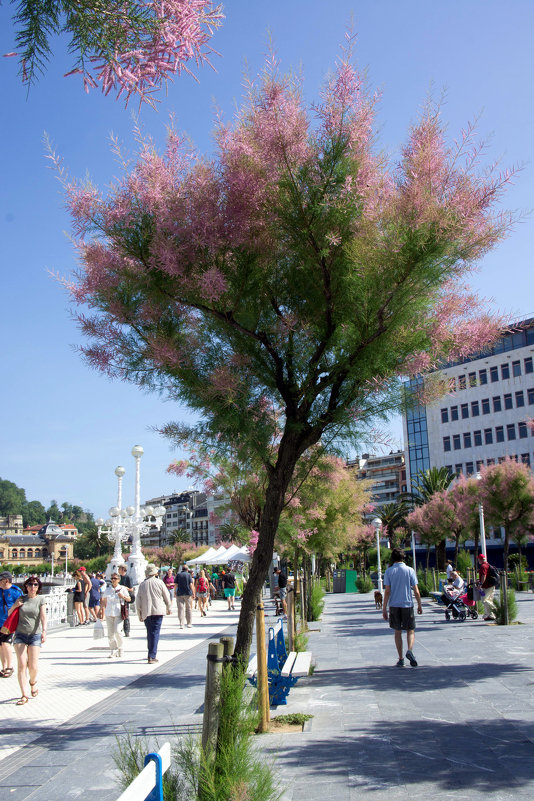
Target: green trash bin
(350, 581)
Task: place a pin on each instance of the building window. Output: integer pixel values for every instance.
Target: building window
(444, 415)
(467, 439)
(490, 462)
(485, 406)
(458, 468)
(37, 552)
(30, 553)
(456, 442)
(475, 411)
(472, 379)
(528, 365)
(22, 553)
(465, 411)
(483, 376)
(446, 443)
(461, 382)
(469, 470)
(499, 434)
(14, 553)
(501, 459)
(525, 458)
(448, 468)
(497, 407)
(519, 398)
(523, 430)
(530, 396)
(488, 436)
(494, 374)
(480, 463)
(505, 371)
(454, 411)
(510, 430)
(477, 437)
(508, 401)
(516, 369)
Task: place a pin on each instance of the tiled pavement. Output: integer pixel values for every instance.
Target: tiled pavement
(460, 726)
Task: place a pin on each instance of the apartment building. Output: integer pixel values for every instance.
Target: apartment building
(387, 474)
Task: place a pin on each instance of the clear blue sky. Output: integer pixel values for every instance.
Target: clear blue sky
(65, 428)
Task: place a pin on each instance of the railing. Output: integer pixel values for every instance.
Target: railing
(148, 785)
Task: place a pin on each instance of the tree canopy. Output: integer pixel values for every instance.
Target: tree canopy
(288, 282)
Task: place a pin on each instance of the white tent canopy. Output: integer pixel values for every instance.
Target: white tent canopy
(227, 556)
(201, 559)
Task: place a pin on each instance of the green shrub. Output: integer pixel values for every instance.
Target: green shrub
(97, 565)
(425, 587)
(518, 580)
(512, 608)
(364, 583)
(464, 562)
(316, 605)
(513, 561)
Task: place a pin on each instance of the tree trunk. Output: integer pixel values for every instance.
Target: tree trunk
(505, 549)
(441, 554)
(456, 549)
(291, 448)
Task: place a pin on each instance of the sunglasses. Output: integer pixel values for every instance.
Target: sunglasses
(32, 584)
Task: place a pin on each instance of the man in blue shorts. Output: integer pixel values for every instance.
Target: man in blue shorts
(399, 581)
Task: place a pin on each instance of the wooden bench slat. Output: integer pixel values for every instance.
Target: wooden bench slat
(287, 668)
(302, 664)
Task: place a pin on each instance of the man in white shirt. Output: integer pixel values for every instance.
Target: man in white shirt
(400, 580)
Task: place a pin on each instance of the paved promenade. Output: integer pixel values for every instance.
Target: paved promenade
(460, 726)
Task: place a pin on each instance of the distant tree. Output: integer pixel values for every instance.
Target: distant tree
(179, 535)
(34, 513)
(393, 516)
(507, 494)
(291, 280)
(428, 483)
(89, 545)
(54, 512)
(131, 47)
(12, 498)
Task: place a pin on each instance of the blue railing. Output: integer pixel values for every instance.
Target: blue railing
(148, 785)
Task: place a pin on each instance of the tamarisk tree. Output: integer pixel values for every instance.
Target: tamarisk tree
(130, 47)
(295, 269)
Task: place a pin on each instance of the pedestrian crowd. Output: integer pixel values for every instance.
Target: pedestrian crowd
(23, 618)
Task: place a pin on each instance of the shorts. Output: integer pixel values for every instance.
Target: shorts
(79, 597)
(202, 594)
(27, 639)
(94, 602)
(401, 618)
(229, 592)
(282, 592)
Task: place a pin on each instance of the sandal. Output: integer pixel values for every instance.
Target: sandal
(35, 693)
(6, 673)
(22, 701)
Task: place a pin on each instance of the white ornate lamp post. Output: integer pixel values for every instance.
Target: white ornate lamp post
(130, 523)
(377, 523)
(482, 527)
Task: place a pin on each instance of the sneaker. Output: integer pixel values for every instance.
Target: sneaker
(181, 626)
(490, 618)
(400, 663)
(189, 626)
(411, 658)
(119, 652)
(111, 654)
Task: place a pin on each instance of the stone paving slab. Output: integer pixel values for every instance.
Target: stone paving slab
(459, 726)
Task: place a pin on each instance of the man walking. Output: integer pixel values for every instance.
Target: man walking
(282, 588)
(184, 591)
(488, 584)
(399, 581)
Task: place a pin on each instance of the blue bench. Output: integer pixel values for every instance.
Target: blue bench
(283, 669)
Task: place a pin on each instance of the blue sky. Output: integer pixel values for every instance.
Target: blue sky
(64, 428)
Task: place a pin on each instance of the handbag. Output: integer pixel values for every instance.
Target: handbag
(98, 631)
(10, 626)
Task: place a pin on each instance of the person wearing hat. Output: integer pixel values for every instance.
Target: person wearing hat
(488, 584)
(152, 602)
(9, 593)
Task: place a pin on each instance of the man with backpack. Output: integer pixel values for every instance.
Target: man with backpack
(488, 577)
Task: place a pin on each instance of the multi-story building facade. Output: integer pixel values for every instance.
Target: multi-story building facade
(39, 544)
(387, 474)
(193, 512)
(484, 417)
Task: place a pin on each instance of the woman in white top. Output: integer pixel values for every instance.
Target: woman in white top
(111, 607)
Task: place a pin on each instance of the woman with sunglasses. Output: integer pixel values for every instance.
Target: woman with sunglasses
(29, 636)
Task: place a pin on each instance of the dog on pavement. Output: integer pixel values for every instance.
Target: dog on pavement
(378, 599)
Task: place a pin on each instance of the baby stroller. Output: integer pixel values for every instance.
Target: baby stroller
(460, 606)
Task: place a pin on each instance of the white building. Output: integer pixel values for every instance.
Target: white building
(193, 512)
(386, 472)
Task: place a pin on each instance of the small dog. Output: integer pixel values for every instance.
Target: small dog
(378, 599)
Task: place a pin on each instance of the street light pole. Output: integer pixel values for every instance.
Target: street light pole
(377, 523)
(482, 527)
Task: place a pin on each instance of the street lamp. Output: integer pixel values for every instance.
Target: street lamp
(377, 523)
(482, 529)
